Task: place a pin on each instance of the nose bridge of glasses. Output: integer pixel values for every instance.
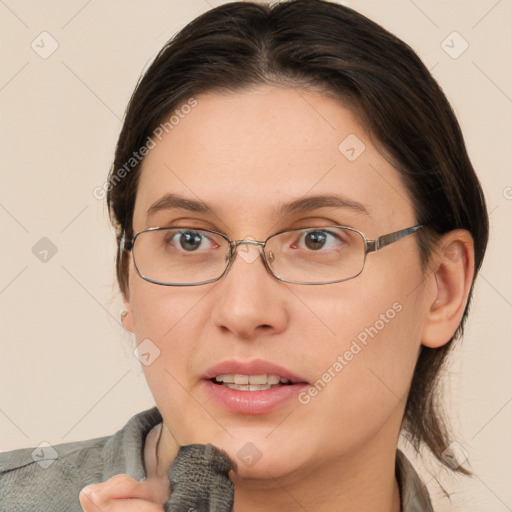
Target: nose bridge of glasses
(236, 243)
(246, 254)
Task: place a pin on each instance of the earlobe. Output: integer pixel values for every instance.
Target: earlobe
(127, 317)
(451, 277)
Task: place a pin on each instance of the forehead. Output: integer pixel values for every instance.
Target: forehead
(247, 153)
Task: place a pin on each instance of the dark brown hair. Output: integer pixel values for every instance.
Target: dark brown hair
(314, 43)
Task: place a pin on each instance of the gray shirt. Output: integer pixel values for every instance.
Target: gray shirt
(49, 479)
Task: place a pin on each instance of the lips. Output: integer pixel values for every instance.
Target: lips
(237, 386)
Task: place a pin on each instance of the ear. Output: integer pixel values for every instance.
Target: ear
(452, 270)
(127, 320)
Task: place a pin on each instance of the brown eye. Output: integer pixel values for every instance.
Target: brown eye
(318, 239)
(315, 240)
(189, 241)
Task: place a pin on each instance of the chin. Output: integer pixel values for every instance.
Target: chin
(259, 456)
(267, 468)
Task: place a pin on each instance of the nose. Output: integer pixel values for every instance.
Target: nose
(250, 301)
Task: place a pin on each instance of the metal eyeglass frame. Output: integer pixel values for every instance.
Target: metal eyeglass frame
(369, 246)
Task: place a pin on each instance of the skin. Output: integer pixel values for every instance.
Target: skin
(244, 154)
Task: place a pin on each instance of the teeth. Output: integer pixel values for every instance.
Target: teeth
(257, 382)
(225, 378)
(260, 379)
(248, 387)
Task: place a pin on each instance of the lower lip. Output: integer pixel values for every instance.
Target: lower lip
(253, 402)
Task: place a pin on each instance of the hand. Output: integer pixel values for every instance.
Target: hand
(122, 493)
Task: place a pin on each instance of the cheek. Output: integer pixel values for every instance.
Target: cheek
(363, 371)
(158, 311)
(168, 324)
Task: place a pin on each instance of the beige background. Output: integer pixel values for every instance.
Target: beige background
(67, 371)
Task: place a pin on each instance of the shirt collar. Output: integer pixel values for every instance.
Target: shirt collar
(413, 492)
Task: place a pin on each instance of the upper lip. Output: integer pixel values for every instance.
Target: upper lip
(254, 367)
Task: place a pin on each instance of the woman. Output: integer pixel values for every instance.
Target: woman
(265, 155)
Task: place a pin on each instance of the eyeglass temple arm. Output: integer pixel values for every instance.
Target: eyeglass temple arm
(382, 241)
(125, 244)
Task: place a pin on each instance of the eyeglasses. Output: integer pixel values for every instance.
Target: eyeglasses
(182, 256)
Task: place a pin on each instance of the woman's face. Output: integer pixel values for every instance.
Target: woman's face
(245, 155)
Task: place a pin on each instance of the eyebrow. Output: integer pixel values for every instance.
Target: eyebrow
(302, 205)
